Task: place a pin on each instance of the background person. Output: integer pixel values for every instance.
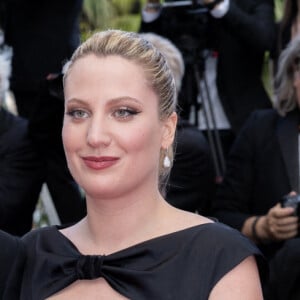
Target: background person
(263, 165)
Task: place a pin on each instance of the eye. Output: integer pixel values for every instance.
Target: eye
(124, 113)
(78, 114)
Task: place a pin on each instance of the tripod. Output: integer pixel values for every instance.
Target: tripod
(189, 33)
(201, 99)
(212, 131)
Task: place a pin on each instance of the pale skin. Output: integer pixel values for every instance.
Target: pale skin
(280, 223)
(124, 206)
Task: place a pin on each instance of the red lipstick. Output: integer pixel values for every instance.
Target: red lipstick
(99, 162)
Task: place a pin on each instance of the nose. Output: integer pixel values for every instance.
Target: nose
(98, 133)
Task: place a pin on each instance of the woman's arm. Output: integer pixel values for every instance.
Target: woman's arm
(242, 282)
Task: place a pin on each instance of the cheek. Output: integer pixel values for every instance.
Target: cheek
(143, 140)
(69, 138)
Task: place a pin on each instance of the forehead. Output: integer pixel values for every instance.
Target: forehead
(113, 66)
(109, 76)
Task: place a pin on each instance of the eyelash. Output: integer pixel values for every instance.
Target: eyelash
(73, 113)
(128, 111)
(118, 113)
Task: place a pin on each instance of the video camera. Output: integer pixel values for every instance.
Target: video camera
(291, 201)
(187, 27)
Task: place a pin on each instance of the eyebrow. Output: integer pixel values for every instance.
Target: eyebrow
(124, 98)
(112, 101)
(75, 100)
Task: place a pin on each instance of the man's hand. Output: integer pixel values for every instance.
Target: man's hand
(281, 223)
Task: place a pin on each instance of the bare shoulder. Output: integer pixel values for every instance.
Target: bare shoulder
(242, 282)
(183, 219)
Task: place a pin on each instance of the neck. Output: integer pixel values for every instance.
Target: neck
(114, 224)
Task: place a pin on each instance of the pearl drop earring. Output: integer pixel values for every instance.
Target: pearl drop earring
(166, 162)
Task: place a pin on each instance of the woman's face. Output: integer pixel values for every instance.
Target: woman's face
(112, 134)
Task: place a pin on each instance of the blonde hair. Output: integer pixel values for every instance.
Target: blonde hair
(133, 47)
(171, 53)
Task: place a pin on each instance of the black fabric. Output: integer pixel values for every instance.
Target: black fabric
(191, 184)
(285, 272)
(12, 261)
(181, 265)
(21, 175)
(43, 36)
(243, 36)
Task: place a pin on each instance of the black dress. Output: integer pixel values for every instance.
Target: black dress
(12, 261)
(185, 264)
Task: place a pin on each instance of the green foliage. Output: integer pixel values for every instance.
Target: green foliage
(125, 7)
(103, 14)
(127, 22)
(279, 6)
(97, 13)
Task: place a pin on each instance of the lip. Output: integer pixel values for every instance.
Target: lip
(99, 162)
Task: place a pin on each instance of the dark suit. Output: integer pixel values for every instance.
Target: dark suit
(262, 167)
(192, 180)
(43, 35)
(242, 37)
(21, 175)
(12, 260)
(285, 272)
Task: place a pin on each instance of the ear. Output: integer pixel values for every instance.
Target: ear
(169, 129)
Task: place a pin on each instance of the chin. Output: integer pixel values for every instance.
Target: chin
(101, 192)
